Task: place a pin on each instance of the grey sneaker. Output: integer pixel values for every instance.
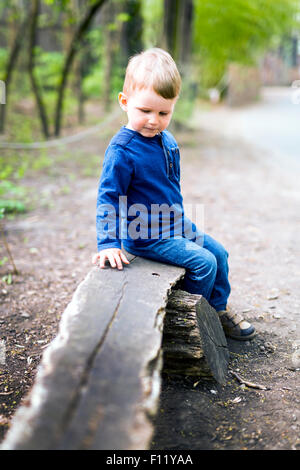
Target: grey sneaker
(235, 326)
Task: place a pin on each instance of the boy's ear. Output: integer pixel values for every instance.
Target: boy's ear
(123, 101)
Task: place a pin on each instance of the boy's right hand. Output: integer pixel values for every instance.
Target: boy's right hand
(113, 255)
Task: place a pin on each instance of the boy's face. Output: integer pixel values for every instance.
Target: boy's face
(148, 113)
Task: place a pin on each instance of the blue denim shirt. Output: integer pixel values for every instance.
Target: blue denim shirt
(139, 196)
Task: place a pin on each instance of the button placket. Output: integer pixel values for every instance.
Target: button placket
(166, 153)
(173, 154)
(170, 160)
(170, 156)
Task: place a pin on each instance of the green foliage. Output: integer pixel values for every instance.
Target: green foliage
(224, 32)
(21, 128)
(15, 193)
(61, 3)
(12, 206)
(94, 74)
(116, 81)
(7, 278)
(115, 25)
(9, 187)
(48, 68)
(93, 82)
(238, 31)
(4, 259)
(152, 13)
(48, 73)
(185, 104)
(3, 60)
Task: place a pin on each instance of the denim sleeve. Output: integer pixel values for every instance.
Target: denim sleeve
(114, 182)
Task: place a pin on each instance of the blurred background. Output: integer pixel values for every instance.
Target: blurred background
(62, 64)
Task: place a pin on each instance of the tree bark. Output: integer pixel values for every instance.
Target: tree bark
(31, 64)
(111, 40)
(186, 29)
(11, 63)
(193, 339)
(132, 30)
(178, 16)
(74, 46)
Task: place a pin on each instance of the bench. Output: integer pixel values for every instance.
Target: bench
(98, 383)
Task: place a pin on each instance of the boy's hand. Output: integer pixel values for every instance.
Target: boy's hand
(113, 255)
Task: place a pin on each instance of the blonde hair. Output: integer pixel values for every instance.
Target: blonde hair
(153, 68)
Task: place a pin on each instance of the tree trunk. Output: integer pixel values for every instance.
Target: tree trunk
(31, 63)
(11, 63)
(178, 16)
(132, 30)
(193, 339)
(80, 93)
(110, 41)
(186, 29)
(74, 46)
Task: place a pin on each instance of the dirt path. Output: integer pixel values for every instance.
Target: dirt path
(252, 207)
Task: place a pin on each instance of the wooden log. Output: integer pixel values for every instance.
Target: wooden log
(98, 384)
(193, 339)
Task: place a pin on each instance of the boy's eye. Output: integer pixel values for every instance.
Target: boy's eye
(147, 111)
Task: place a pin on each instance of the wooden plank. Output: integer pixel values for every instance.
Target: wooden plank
(100, 377)
(127, 366)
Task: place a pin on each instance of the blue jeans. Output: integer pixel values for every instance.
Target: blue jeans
(205, 262)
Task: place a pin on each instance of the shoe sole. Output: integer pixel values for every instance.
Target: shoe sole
(241, 338)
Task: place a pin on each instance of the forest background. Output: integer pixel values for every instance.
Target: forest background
(62, 64)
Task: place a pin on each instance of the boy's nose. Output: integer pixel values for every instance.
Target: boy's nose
(153, 119)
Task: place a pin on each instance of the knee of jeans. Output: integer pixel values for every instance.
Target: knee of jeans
(208, 266)
(221, 254)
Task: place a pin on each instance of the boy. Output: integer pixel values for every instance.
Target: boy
(141, 171)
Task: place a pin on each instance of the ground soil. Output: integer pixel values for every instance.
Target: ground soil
(251, 205)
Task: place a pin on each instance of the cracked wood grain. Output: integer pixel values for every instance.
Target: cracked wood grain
(194, 342)
(99, 379)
